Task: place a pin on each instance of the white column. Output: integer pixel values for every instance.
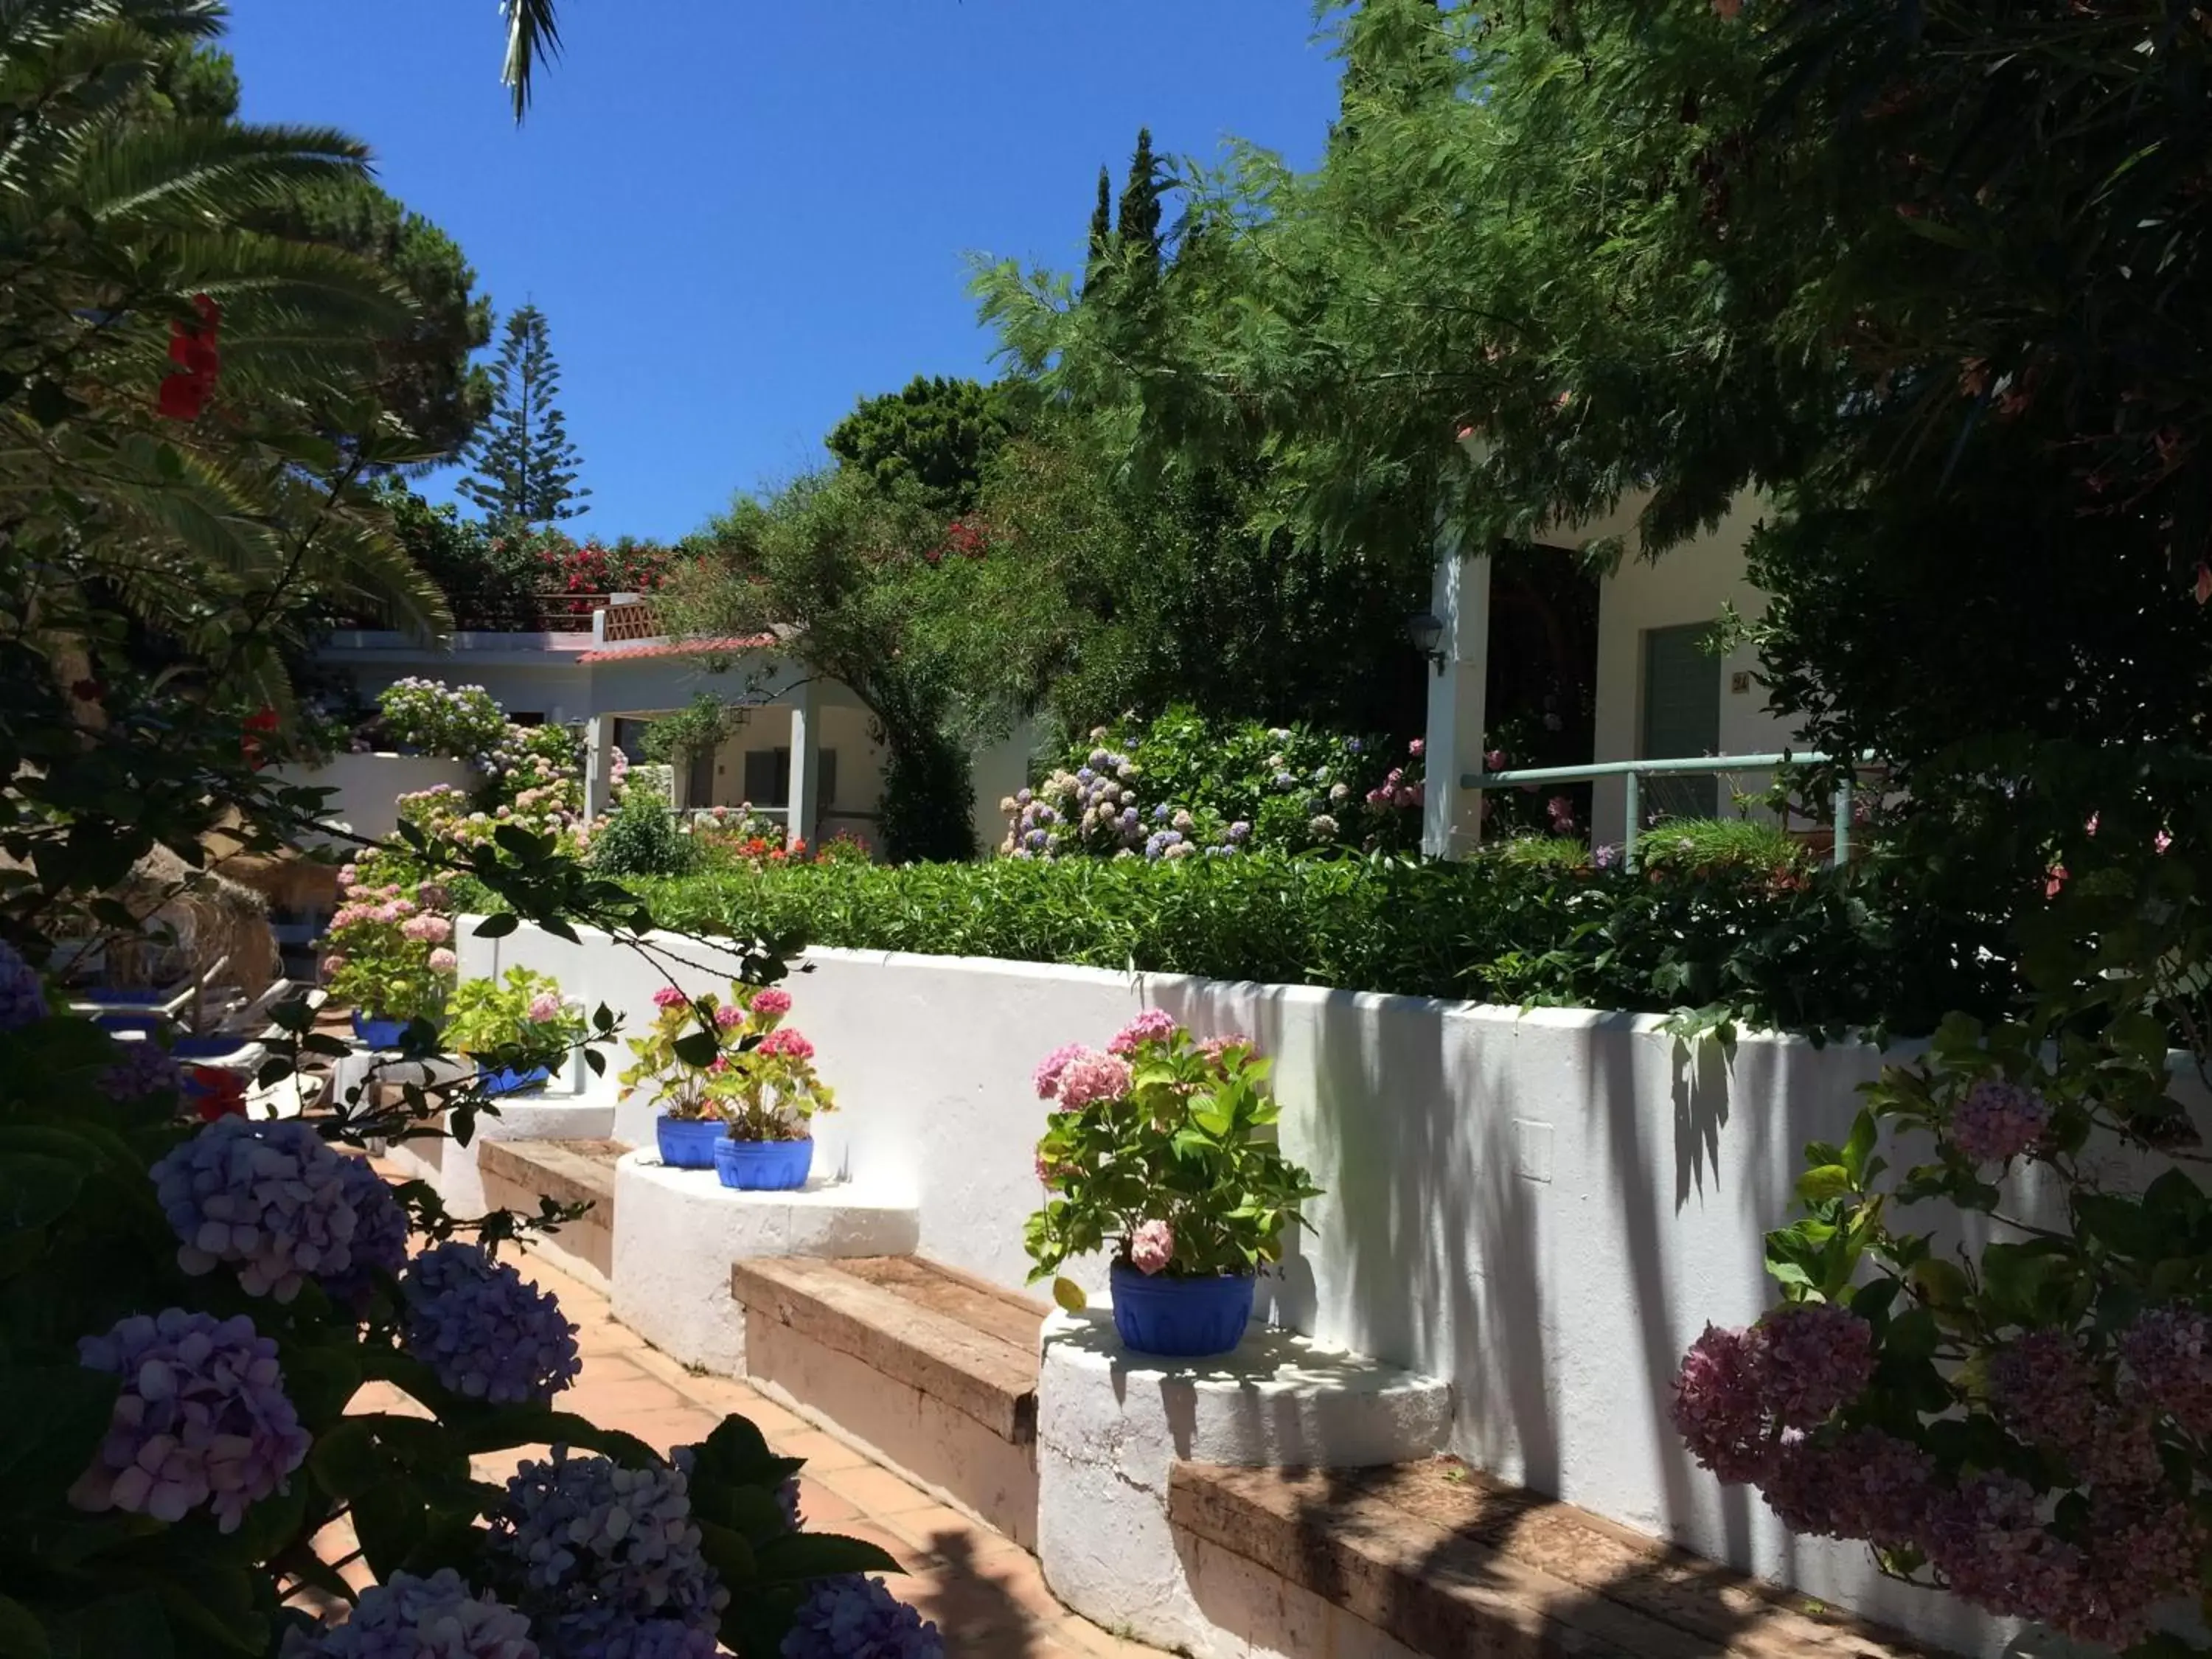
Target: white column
(805, 763)
(599, 764)
(1451, 823)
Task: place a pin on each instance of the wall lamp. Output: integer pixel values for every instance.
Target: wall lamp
(1426, 631)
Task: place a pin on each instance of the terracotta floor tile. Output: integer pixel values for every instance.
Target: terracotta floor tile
(946, 1535)
(680, 1425)
(823, 1452)
(877, 1492)
(819, 1507)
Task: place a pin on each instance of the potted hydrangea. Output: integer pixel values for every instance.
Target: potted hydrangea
(735, 1087)
(388, 952)
(1162, 1147)
(517, 1030)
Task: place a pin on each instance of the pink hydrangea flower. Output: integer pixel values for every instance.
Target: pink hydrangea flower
(1214, 1047)
(1047, 1076)
(772, 1002)
(1717, 1408)
(669, 997)
(1418, 748)
(1864, 1485)
(544, 1007)
(443, 961)
(1154, 1025)
(1151, 1247)
(1089, 1076)
(1816, 1356)
(785, 1040)
(1997, 1122)
(728, 1017)
(433, 896)
(333, 962)
(2170, 1352)
(2048, 1393)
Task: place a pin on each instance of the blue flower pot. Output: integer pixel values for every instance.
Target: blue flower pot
(1181, 1318)
(115, 1020)
(686, 1144)
(764, 1166)
(505, 1080)
(376, 1032)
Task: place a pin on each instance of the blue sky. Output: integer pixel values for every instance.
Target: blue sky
(740, 216)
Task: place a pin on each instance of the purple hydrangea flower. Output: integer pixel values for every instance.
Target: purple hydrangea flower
(1991, 1547)
(1240, 832)
(1816, 1357)
(269, 1198)
(1864, 1485)
(141, 1069)
(380, 1233)
(1997, 1122)
(597, 1551)
(1286, 780)
(202, 1419)
(851, 1615)
(22, 997)
(411, 1618)
(2170, 1352)
(1162, 812)
(487, 1334)
(2048, 1393)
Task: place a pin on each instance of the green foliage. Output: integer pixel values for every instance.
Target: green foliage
(1494, 929)
(708, 1058)
(1705, 844)
(641, 838)
(937, 437)
(523, 467)
(699, 728)
(1188, 1142)
(461, 723)
(505, 1022)
(937, 642)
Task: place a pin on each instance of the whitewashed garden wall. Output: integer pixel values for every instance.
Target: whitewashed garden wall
(1544, 1208)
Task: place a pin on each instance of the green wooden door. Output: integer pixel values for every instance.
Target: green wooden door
(1682, 717)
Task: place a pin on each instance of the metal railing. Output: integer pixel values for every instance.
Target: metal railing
(1691, 766)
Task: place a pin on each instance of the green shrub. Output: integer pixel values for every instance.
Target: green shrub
(642, 839)
(1685, 844)
(1826, 953)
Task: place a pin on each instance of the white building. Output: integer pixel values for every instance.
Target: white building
(804, 751)
(1661, 692)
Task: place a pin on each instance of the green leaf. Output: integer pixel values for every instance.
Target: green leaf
(346, 1460)
(799, 1556)
(1865, 1131)
(36, 1189)
(132, 1624)
(498, 925)
(1831, 1180)
(53, 1418)
(1069, 1295)
(698, 1048)
(390, 1519)
(21, 1636)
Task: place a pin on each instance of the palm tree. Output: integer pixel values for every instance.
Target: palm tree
(124, 244)
(533, 36)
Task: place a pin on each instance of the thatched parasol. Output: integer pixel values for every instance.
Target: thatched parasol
(204, 915)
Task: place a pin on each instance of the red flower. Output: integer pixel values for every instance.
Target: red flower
(184, 394)
(218, 1093)
(262, 720)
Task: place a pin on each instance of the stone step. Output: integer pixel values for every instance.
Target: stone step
(955, 1338)
(516, 1173)
(1444, 1561)
(934, 1371)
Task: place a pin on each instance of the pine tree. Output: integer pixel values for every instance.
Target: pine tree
(523, 467)
(1102, 233)
(1139, 226)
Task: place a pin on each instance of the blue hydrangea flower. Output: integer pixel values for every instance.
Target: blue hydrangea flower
(411, 1618)
(269, 1197)
(1162, 812)
(201, 1419)
(141, 1069)
(380, 1235)
(486, 1334)
(1240, 832)
(597, 1550)
(1285, 781)
(1352, 745)
(851, 1617)
(22, 997)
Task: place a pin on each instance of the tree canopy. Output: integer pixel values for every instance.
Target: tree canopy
(937, 435)
(523, 467)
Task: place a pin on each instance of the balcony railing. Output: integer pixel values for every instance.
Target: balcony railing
(630, 616)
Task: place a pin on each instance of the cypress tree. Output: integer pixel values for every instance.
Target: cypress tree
(523, 467)
(1102, 233)
(1139, 226)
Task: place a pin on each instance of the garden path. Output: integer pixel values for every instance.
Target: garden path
(985, 1592)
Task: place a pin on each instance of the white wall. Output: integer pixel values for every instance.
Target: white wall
(369, 785)
(1693, 584)
(1546, 1208)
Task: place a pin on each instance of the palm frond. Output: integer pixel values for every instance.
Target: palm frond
(533, 38)
(179, 172)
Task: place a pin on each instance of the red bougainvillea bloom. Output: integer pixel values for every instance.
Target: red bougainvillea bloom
(192, 349)
(262, 720)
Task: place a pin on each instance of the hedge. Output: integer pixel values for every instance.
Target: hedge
(1825, 954)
